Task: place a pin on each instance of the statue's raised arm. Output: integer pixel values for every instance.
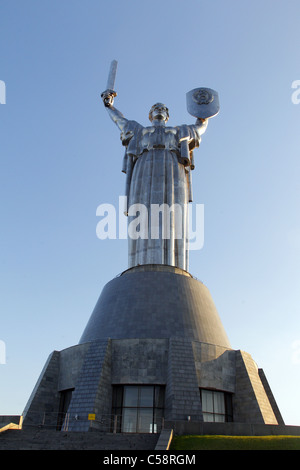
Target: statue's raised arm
(117, 117)
(109, 95)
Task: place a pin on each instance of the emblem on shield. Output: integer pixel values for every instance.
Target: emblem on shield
(203, 102)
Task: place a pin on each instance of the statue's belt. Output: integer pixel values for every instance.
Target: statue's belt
(183, 161)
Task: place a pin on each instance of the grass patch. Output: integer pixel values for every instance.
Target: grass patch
(192, 442)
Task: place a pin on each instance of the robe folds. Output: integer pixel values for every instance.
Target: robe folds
(158, 189)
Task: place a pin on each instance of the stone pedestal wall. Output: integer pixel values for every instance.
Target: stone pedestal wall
(181, 365)
(154, 325)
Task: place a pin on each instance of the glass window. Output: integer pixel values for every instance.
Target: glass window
(130, 396)
(145, 420)
(129, 420)
(216, 406)
(219, 403)
(207, 401)
(65, 400)
(159, 397)
(118, 396)
(138, 408)
(146, 396)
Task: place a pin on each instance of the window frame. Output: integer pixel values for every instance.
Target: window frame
(121, 410)
(227, 403)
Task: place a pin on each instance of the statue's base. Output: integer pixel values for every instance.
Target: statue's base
(154, 349)
(156, 301)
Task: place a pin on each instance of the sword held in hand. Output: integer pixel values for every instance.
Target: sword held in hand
(109, 94)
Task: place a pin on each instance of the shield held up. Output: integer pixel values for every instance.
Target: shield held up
(203, 103)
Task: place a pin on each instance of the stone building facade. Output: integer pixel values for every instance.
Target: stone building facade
(154, 350)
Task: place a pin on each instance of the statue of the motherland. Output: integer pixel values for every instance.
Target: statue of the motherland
(158, 163)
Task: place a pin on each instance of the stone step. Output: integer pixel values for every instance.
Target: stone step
(42, 439)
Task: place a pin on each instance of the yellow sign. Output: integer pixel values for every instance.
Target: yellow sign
(91, 417)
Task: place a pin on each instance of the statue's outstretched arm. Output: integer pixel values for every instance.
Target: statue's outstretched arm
(117, 117)
(201, 126)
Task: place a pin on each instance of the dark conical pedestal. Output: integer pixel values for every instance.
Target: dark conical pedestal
(154, 350)
(156, 302)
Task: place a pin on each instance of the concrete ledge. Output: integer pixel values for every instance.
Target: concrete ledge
(164, 440)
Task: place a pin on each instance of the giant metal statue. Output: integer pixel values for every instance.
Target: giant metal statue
(158, 162)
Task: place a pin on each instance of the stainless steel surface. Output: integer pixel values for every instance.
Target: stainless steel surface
(158, 162)
(203, 103)
(112, 75)
(109, 94)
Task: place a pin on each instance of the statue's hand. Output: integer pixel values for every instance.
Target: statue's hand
(108, 97)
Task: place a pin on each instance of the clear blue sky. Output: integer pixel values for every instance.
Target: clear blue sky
(61, 157)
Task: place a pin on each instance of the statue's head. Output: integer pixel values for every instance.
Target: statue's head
(160, 112)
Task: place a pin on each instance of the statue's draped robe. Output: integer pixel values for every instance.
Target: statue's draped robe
(157, 178)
